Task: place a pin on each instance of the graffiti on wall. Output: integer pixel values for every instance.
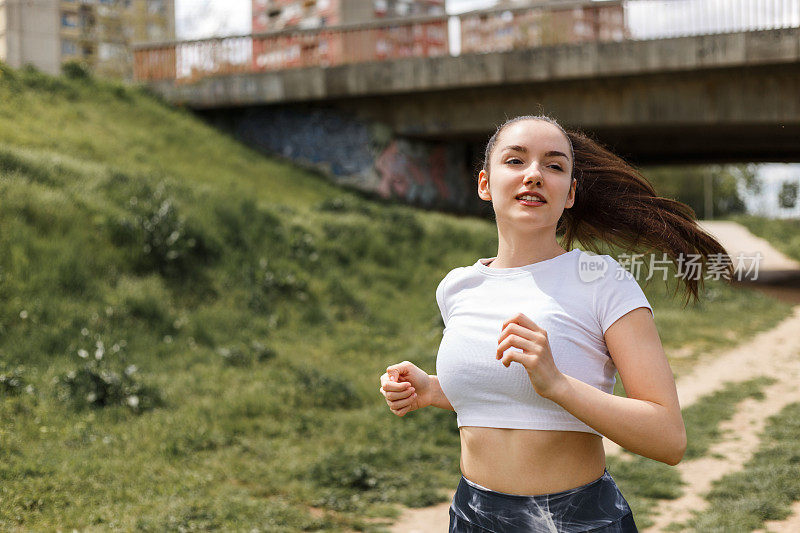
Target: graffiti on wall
(361, 154)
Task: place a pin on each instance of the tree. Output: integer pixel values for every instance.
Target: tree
(687, 184)
(787, 197)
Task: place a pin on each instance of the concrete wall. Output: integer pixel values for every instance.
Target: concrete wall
(359, 153)
(3, 45)
(32, 34)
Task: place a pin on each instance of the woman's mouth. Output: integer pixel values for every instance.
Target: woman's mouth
(532, 201)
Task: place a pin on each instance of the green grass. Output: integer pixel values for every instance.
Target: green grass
(123, 127)
(644, 481)
(259, 305)
(702, 418)
(764, 489)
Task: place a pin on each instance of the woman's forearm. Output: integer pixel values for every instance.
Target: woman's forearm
(438, 399)
(640, 426)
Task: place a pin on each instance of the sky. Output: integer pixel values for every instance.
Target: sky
(197, 19)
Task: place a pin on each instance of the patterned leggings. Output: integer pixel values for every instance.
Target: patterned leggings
(597, 506)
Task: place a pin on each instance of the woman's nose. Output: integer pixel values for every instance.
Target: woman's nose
(532, 173)
(533, 177)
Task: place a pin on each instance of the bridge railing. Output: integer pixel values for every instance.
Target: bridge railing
(482, 31)
(187, 61)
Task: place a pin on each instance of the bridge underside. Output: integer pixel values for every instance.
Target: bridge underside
(687, 144)
(705, 143)
(707, 99)
(723, 115)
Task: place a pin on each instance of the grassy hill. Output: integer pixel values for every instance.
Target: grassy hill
(192, 334)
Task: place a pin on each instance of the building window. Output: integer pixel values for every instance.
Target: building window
(69, 20)
(155, 32)
(156, 7)
(68, 48)
(109, 51)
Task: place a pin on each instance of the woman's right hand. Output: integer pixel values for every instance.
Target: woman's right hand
(406, 388)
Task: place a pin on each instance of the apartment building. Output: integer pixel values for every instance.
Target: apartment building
(501, 30)
(47, 33)
(336, 47)
(271, 15)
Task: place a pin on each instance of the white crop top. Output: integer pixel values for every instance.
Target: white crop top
(574, 296)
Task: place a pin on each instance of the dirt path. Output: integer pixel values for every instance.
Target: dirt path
(740, 440)
(773, 265)
(768, 353)
(773, 353)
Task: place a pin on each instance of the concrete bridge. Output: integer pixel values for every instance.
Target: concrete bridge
(415, 127)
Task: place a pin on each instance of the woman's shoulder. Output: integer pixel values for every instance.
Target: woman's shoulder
(452, 275)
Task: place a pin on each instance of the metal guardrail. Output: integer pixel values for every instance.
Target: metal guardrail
(481, 31)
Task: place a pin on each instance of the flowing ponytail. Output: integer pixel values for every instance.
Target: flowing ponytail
(614, 203)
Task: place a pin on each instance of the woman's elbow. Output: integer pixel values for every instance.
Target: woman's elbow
(678, 449)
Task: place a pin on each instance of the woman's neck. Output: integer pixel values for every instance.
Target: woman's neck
(515, 254)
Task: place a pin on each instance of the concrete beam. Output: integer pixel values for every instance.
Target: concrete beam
(540, 66)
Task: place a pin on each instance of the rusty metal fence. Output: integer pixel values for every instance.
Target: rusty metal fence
(482, 31)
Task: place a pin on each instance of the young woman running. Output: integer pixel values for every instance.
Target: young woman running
(533, 337)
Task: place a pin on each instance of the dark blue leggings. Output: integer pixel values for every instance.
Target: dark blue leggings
(597, 506)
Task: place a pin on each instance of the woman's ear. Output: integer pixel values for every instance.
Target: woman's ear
(483, 186)
(571, 196)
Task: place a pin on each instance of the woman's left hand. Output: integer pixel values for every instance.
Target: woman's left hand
(523, 333)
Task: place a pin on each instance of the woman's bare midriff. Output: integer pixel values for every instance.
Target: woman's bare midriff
(528, 461)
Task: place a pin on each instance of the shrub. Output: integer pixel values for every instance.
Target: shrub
(362, 469)
(401, 226)
(318, 389)
(76, 70)
(271, 284)
(345, 302)
(146, 299)
(302, 247)
(163, 240)
(243, 355)
(73, 274)
(35, 79)
(12, 380)
(345, 204)
(247, 226)
(102, 383)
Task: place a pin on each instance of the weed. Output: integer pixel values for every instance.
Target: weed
(103, 381)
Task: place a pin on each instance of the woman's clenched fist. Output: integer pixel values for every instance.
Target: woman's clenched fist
(406, 388)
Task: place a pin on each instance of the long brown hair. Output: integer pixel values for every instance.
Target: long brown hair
(616, 204)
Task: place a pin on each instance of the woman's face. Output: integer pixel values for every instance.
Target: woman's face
(529, 156)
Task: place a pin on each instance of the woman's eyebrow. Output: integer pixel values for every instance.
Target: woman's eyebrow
(524, 150)
(557, 153)
(517, 148)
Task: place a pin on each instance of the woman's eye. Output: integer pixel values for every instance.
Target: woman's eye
(513, 159)
(557, 167)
